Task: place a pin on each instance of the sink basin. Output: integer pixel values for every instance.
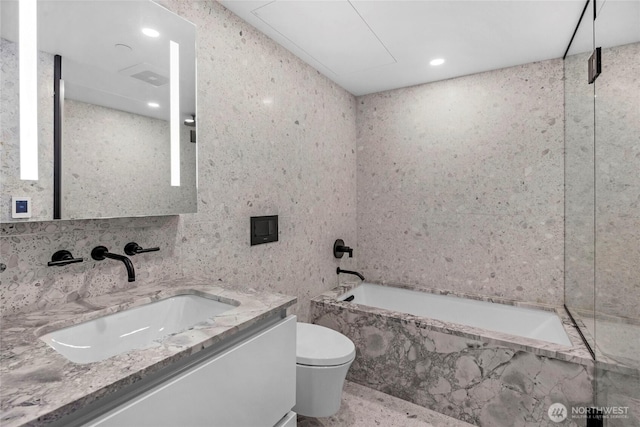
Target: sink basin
(135, 328)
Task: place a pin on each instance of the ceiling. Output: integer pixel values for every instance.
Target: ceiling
(372, 46)
(103, 50)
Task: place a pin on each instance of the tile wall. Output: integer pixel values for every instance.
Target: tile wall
(617, 183)
(460, 184)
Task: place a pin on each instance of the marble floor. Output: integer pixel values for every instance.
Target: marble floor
(364, 407)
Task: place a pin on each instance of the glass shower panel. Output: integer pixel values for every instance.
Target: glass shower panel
(617, 225)
(579, 182)
(617, 113)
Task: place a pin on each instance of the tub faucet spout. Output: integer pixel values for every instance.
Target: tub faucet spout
(355, 273)
(99, 253)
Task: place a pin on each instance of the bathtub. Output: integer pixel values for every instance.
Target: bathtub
(486, 363)
(520, 321)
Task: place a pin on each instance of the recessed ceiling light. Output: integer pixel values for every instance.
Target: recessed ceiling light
(153, 104)
(436, 62)
(150, 32)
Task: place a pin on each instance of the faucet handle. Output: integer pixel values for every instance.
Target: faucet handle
(63, 257)
(339, 249)
(98, 252)
(132, 248)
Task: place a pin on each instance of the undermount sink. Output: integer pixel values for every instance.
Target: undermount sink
(135, 328)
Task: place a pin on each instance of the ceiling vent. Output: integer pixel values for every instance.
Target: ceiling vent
(146, 73)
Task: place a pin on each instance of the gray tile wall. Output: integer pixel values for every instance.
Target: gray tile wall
(617, 182)
(460, 184)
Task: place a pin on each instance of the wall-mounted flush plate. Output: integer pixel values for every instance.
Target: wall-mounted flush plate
(264, 229)
(21, 207)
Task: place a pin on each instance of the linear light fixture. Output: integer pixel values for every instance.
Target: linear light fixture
(174, 114)
(28, 71)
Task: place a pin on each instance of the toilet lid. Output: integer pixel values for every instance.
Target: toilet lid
(320, 346)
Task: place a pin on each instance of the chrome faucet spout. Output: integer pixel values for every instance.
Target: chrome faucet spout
(99, 253)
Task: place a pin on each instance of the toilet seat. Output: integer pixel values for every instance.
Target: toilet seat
(320, 346)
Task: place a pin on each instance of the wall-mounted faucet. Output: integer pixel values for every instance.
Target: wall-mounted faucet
(355, 273)
(99, 253)
(339, 249)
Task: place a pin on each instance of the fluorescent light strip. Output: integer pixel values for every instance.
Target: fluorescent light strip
(174, 117)
(28, 69)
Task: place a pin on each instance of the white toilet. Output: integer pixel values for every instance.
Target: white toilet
(323, 357)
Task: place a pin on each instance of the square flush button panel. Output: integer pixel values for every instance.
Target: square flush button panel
(264, 229)
(21, 207)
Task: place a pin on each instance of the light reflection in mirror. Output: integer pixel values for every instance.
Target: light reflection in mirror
(174, 77)
(28, 66)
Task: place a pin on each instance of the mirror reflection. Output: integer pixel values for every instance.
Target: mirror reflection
(126, 131)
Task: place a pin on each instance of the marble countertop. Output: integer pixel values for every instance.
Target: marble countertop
(38, 385)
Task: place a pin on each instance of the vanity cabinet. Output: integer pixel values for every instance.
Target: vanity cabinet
(251, 382)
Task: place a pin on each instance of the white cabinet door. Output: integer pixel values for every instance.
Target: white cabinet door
(251, 384)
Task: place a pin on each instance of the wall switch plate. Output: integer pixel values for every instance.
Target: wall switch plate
(264, 229)
(21, 207)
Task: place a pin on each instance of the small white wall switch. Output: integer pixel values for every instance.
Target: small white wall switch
(21, 207)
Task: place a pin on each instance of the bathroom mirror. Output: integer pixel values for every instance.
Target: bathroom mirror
(123, 127)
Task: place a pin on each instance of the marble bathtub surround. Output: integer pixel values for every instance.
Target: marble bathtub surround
(477, 376)
(577, 353)
(39, 385)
